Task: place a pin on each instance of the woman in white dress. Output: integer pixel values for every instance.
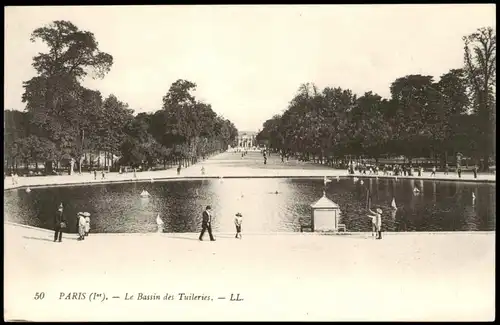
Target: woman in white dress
(87, 223)
(81, 226)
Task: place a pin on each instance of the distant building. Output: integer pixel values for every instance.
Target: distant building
(246, 139)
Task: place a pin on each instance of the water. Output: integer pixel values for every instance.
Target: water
(440, 206)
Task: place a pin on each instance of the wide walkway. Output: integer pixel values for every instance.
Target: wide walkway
(228, 164)
(294, 276)
(307, 276)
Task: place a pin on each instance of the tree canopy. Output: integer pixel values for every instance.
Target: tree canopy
(64, 120)
(422, 117)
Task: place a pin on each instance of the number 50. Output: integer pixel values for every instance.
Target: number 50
(39, 295)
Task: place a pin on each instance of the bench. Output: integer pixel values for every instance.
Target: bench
(308, 227)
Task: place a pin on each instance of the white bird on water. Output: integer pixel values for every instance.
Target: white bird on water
(326, 180)
(361, 182)
(159, 222)
(355, 179)
(28, 190)
(221, 179)
(338, 178)
(145, 193)
(152, 180)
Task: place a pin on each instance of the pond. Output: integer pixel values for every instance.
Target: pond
(119, 208)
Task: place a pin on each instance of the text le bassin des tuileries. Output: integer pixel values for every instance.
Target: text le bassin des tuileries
(140, 296)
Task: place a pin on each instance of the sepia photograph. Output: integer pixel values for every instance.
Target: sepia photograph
(250, 163)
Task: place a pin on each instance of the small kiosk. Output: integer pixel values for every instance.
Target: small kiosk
(326, 215)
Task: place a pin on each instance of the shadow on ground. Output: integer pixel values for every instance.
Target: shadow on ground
(46, 239)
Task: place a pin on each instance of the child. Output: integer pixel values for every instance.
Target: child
(377, 222)
(87, 223)
(237, 221)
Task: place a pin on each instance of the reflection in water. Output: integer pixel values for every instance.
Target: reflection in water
(176, 206)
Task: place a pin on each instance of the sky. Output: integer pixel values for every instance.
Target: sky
(249, 61)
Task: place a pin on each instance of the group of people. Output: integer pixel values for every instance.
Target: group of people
(14, 178)
(83, 224)
(402, 170)
(103, 174)
(60, 224)
(206, 224)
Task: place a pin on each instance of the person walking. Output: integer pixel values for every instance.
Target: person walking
(433, 173)
(446, 169)
(81, 226)
(237, 222)
(179, 170)
(377, 220)
(206, 224)
(95, 174)
(459, 172)
(103, 175)
(59, 224)
(474, 170)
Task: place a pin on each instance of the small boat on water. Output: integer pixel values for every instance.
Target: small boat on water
(145, 193)
(159, 222)
(393, 203)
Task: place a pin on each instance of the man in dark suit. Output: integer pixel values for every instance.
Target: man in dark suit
(206, 223)
(59, 223)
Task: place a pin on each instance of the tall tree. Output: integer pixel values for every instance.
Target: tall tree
(55, 98)
(480, 66)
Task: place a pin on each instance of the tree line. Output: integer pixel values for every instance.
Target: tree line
(422, 117)
(63, 120)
